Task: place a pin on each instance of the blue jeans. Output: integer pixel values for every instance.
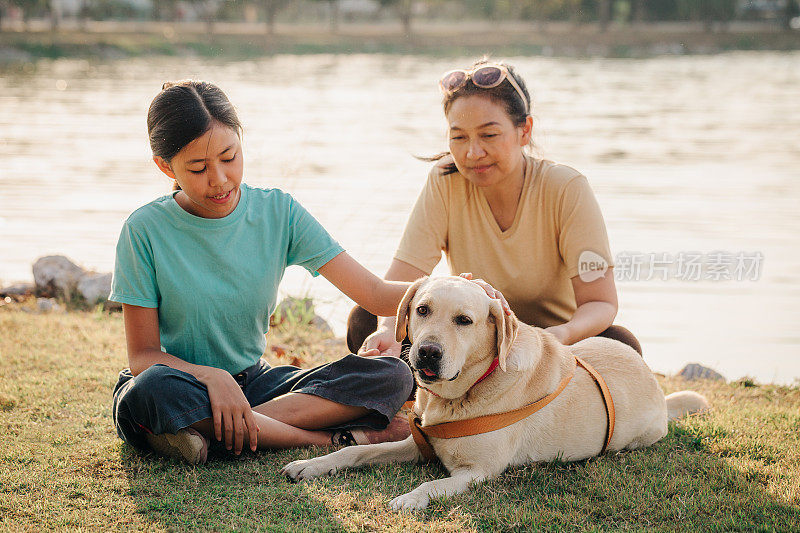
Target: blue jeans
(163, 400)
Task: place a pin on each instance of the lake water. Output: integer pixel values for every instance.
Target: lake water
(688, 156)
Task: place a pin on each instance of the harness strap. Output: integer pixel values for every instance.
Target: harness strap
(608, 401)
(487, 423)
(425, 448)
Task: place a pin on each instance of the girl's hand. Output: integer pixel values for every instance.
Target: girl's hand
(231, 411)
(491, 291)
(381, 342)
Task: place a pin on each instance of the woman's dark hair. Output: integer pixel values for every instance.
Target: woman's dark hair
(182, 112)
(504, 94)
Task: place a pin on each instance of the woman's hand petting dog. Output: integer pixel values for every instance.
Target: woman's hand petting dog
(490, 291)
(383, 343)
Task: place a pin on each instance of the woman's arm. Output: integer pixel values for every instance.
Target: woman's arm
(383, 341)
(230, 409)
(379, 297)
(597, 307)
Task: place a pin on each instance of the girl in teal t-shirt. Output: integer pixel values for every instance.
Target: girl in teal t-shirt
(197, 273)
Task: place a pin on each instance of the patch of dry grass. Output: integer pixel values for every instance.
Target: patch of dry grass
(63, 467)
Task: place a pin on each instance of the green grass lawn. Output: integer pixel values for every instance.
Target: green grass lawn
(63, 467)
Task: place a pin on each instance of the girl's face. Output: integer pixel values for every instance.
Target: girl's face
(485, 144)
(209, 171)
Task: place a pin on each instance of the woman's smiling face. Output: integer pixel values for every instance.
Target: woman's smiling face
(485, 144)
(209, 171)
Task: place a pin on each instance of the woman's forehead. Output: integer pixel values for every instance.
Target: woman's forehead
(476, 111)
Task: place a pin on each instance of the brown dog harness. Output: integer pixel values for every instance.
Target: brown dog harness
(487, 423)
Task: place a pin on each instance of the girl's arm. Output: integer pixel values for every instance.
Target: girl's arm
(382, 341)
(349, 275)
(597, 307)
(379, 297)
(144, 344)
(230, 409)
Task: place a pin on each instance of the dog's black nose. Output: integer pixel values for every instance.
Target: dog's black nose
(430, 352)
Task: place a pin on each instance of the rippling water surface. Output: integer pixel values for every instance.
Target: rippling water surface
(692, 155)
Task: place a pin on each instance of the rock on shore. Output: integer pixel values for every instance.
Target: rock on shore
(697, 371)
(55, 276)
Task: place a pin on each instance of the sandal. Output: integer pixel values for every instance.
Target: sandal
(396, 430)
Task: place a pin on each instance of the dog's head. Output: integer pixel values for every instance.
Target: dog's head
(455, 330)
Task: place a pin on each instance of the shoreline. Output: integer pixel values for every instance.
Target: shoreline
(304, 318)
(116, 40)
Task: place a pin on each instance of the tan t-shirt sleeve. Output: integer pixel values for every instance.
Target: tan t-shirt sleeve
(425, 235)
(581, 227)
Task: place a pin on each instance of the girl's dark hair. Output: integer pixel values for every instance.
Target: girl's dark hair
(182, 112)
(504, 94)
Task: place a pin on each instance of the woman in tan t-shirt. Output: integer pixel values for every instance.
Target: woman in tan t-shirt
(530, 227)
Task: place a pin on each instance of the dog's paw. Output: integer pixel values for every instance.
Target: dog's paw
(308, 469)
(410, 501)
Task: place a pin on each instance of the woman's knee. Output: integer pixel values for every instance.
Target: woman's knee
(360, 324)
(623, 335)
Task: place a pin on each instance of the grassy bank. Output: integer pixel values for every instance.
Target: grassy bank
(240, 40)
(63, 467)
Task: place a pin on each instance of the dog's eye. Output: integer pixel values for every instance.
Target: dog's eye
(422, 310)
(463, 320)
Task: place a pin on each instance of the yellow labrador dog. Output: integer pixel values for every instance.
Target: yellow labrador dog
(457, 331)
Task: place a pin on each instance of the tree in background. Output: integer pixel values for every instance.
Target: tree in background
(333, 11)
(83, 14)
(30, 9)
(404, 9)
(271, 8)
(542, 11)
(791, 11)
(164, 10)
(207, 9)
(55, 14)
(604, 14)
(638, 11)
(714, 14)
(708, 11)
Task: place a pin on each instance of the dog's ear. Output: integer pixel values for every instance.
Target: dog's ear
(400, 331)
(506, 327)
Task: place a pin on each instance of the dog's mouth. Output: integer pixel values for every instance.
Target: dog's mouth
(426, 375)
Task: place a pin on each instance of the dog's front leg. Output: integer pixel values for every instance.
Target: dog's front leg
(419, 498)
(385, 452)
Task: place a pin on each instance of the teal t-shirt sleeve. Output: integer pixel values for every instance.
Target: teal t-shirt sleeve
(134, 279)
(310, 245)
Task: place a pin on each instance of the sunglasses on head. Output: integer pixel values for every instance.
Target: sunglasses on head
(483, 76)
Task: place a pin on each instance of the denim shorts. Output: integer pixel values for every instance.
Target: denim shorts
(163, 400)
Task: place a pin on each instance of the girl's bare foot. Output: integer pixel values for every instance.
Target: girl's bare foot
(396, 430)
